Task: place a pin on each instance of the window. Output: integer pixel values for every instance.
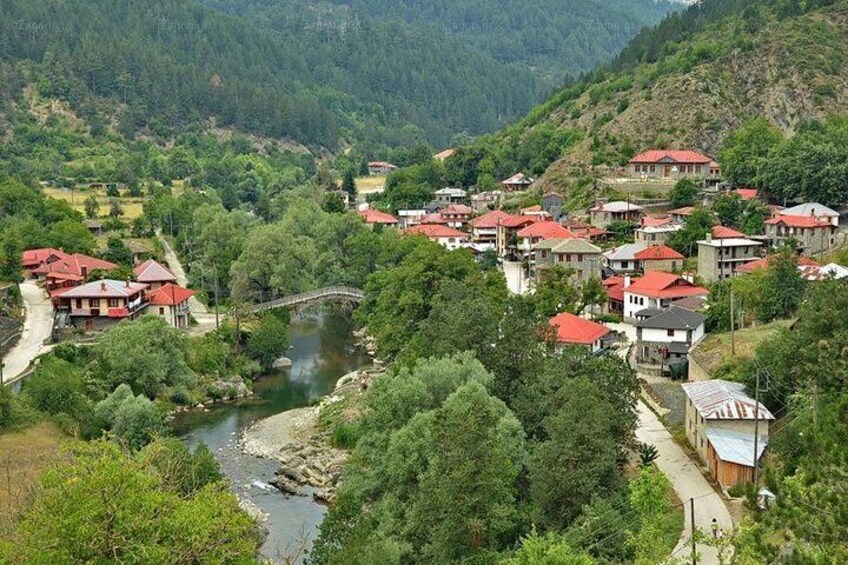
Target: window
(669, 333)
(579, 257)
(641, 302)
(112, 302)
(544, 254)
(94, 302)
(161, 311)
(653, 168)
(79, 303)
(568, 257)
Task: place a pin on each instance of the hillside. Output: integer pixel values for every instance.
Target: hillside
(706, 78)
(322, 74)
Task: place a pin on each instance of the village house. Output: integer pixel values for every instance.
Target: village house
(663, 337)
(484, 229)
(516, 183)
(811, 226)
(484, 201)
(450, 195)
(680, 215)
(747, 194)
(154, 275)
(409, 218)
(456, 215)
(577, 254)
(446, 236)
(656, 234)
(658, 258)
(672, 165)
(94, 227)
(605, 213)
(573, 330)
(540, 231)
(170, 302)
(376, 217)
(615, 295)
(583, 230)
(720, 258)
(99, 304)
(805, 264)
(379, 168)
(720, 423)
(34, 258)
(656, 290)
(65, 271)
(507, 238)
(622, 259)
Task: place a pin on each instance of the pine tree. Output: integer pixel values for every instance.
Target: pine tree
(349, 184)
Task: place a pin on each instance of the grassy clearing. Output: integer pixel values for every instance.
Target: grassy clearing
(715, 350)
(133, 207)
(23, 456)
(672, 523)
(370, 184)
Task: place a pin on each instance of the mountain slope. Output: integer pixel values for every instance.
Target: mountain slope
(756, 60)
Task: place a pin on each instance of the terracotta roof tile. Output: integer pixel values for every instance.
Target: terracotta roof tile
(658, 253)
(677, 156)
(573, 329)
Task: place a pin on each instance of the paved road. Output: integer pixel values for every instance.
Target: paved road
(515, 280)
(205, 318)
(685, 476)
(36, 331)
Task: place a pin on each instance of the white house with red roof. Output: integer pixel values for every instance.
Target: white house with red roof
(98, 304)
(484, 229)
(656, 290)
(170, 302)
(376, 217)
(574, 330)
(154, 274)
(811, 226)
(672, 165)
(446, 236)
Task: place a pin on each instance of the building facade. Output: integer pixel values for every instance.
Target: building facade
(719, 259)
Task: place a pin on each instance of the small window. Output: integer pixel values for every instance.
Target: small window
(579, 257)
(653, 168)
(161, 311)
(568, 257)
(670, 333)
(113, 303)
(94, 302)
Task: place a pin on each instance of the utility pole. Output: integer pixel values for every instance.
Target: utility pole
(756, 427)
(215, 274)
(692, 522)
(732, 323)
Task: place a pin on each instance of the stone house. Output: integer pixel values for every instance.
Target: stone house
(672, 165)
(622, 259)
(720, 258)
(665, 336)
(659, 258)
(170, 302)
(813, 234)
(578, 254)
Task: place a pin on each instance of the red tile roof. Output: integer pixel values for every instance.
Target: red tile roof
(573, 329)
(615, 288)
(519, 221)
(435, 231)
(657, 155)
(723, 232)
(657, 284)
(547, 230)
(747, 193)
(169, 295)
(432, 219)
(536, 208)
(685, 211)
(764, 263)
(457, 209)
(151, 271)
(799, 221)
(658, 253)
(652, 221)
(490, 219)
(377, 217)
(74, 265)
(35, 257)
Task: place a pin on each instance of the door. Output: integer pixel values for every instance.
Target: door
(667, 171)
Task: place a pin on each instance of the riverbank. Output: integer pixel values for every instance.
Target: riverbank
(300, 440)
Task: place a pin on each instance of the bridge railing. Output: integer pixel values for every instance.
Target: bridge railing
(345, 292)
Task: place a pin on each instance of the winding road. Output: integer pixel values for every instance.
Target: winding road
(205, 319)
(36, 331)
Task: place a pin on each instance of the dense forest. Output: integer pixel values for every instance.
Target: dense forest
(316, 74)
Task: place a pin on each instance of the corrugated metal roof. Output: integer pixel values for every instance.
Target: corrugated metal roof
(723, 400)
(736, 447)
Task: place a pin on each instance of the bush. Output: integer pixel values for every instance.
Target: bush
(138, 422)
(345, 435)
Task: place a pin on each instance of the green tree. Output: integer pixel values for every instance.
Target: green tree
(333, 203)
(92, 206)
(696, 227)
(115, 208)
(349, 184)
(549, 549)
(745, 153)
(729, 209)
(72, 237)
(648, 494)
(269, 338)
(11, 250)
(556, 292)
(137, 422)
(783, 287)
(117, 251)
(134, 518)
(684, 193)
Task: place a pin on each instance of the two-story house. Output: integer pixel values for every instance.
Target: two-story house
(450, 195)
(154, 274)
(68, 270)
(657, 290)
(622, 259)
(720, 258)
(672, 164)
(484, 229)
(814, 232)
(456, 215)
(720, 423)
(170, 302)
(578, 254)
(99, 304)
(665, 336)
(446, 236)
(658, 258)
(507, 234)
(529, 236)
(605, 213)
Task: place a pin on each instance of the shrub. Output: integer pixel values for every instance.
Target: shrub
(345, 435)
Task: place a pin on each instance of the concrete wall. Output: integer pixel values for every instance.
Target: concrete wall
(665, 265)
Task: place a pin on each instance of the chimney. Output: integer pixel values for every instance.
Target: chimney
(709, 236)
(627, 281)
(128, 282)
(102, 285)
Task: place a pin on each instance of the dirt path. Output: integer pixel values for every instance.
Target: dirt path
(36, 331)
(205, 319)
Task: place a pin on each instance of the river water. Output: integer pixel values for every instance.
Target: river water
(322, 350)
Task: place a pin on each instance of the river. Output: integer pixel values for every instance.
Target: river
(322, 351)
